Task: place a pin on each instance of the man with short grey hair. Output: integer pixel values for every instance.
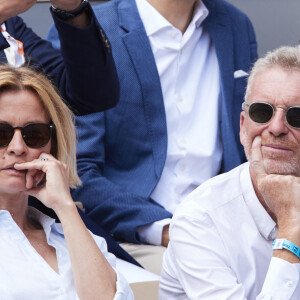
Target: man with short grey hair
(222, 235)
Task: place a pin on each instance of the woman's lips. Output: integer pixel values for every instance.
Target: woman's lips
(13, 171)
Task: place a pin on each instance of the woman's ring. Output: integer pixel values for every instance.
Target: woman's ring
(44, 158)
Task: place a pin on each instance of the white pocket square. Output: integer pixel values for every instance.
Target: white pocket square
(240, 73)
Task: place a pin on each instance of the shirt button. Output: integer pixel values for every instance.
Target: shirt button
(173, 34)
(183, 168)
(180, 99)
(289, 283)
(183, 141)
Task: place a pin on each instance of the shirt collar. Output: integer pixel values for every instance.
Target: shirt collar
(263, 221)
(153, 21)
(200, 13)
(46, 222)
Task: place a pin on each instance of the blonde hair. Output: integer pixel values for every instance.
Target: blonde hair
(286, 57)
(64, 143)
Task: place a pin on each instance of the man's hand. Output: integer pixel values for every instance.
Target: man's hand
(281, 195)
(165, 236)
(81, 21)
(11, 8)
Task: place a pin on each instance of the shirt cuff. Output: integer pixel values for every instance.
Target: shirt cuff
(281, 280)
(152, 233)
(123, 289)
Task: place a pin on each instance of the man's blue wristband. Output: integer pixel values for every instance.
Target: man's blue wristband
(285, 244)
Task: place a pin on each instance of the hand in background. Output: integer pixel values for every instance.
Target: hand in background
(11, 8)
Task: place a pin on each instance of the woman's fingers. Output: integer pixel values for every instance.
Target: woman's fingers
(56, 188)
(30, 179)
(37, 164)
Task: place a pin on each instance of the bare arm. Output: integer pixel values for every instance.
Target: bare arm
(94, 277)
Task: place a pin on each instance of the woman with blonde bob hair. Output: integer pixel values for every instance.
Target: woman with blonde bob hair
(40, 258)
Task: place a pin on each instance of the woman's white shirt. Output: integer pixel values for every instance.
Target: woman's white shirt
(25, 275)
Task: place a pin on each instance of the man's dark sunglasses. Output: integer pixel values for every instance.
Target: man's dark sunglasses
(261, 112)
(35, 135)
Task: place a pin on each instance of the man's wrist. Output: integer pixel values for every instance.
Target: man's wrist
(152, 233)
(70, 14)
(279, 244)
(165, 236)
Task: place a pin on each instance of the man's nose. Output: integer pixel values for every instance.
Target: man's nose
(278, 124)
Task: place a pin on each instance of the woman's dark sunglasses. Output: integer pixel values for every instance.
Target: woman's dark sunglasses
(35, 135)
(261, 112)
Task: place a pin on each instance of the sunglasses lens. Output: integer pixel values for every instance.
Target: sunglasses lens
(36, 135)
(260, 112)
(293, 116)
(6, 134)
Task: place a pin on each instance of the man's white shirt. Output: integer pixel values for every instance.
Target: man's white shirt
(190, 80)
(221, 246)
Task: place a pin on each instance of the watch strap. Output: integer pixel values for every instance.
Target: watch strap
(65, 15)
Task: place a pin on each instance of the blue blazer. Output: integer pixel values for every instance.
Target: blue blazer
(82, 69)
(121, 152)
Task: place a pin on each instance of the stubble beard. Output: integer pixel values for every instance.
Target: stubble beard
(276, 163)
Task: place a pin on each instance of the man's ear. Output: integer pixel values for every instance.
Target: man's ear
(242, 128)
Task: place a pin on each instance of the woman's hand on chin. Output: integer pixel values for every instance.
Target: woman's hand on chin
(55, 193)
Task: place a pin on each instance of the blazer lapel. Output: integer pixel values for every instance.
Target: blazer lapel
(139, 49)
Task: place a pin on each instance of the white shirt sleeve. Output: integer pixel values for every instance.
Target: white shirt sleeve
(281, 280)
(152, 233)
(197, 265)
